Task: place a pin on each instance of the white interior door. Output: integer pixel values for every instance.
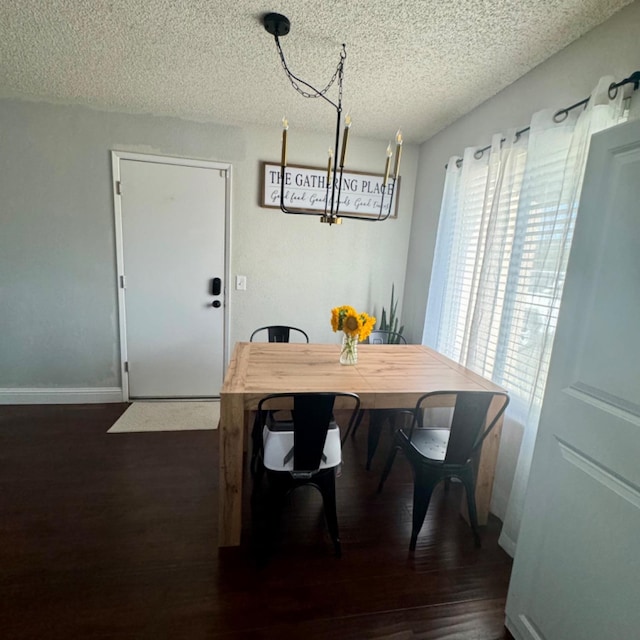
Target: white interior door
(173, 242)
(577, 565)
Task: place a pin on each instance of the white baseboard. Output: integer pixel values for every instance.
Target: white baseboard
(523, 628)
(513, 628)
(83, 395)
(507, 544)
(499, 502)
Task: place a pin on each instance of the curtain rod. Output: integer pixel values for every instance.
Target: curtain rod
(562, 114)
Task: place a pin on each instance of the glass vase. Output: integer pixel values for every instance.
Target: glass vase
(349, 351)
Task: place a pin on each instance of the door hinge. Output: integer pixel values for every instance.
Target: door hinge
(126, 367)
(118, 187)
(123, 282)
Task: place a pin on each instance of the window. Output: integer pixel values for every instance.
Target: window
(503, 244)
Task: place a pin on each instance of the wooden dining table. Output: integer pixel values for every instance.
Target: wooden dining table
(385, 377)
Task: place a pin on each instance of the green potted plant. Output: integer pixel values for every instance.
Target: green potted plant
(393, 321)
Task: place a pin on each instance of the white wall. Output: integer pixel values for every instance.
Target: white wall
(297, 268)
(565, 78)
(58, 302)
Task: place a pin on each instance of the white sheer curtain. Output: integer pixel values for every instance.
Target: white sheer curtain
(505, 231)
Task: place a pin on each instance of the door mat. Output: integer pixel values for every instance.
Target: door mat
(168, 416)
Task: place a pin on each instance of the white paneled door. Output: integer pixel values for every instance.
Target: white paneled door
(172, 257)
(577, 566)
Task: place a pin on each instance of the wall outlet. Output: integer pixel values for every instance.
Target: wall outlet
(241, 283)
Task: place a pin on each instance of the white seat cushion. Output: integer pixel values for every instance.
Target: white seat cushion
(277, 444)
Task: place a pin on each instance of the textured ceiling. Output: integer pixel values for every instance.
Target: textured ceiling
(416, 64)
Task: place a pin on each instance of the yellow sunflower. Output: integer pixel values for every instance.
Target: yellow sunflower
(338, 315)
(367, 323)
(356, 325)
(352, 324)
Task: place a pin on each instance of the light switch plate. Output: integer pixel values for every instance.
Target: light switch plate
(241, 283)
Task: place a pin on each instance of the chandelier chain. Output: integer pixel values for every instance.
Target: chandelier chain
(294, 80)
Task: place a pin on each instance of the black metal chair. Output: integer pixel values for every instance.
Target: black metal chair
(304, 451)
(437, 454)
(378, 417)
(379, 336)
(275, 333)
(279, 333)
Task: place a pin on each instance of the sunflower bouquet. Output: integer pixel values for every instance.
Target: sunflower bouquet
(355, 326)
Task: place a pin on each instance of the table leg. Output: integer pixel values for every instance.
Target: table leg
(230, 489)
(486, 467)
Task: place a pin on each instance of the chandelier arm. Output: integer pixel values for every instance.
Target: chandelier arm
(301, 212)
(379, 217)
(348, 216)
(319, 214)
(283, 208)
(392, 198)
(298, 212)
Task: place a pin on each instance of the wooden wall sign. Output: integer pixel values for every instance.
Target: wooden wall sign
(306, 188)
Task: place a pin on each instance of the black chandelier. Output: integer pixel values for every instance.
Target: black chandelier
(278, 25)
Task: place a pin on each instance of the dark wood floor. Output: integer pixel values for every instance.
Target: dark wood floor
(114, 536)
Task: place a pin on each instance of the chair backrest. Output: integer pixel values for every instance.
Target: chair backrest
(312, 414)
(468, 422)
(379, 336)
(279, 333)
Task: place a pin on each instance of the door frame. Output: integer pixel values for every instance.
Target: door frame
(223, 167)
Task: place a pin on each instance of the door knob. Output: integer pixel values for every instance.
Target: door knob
(216, 303)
